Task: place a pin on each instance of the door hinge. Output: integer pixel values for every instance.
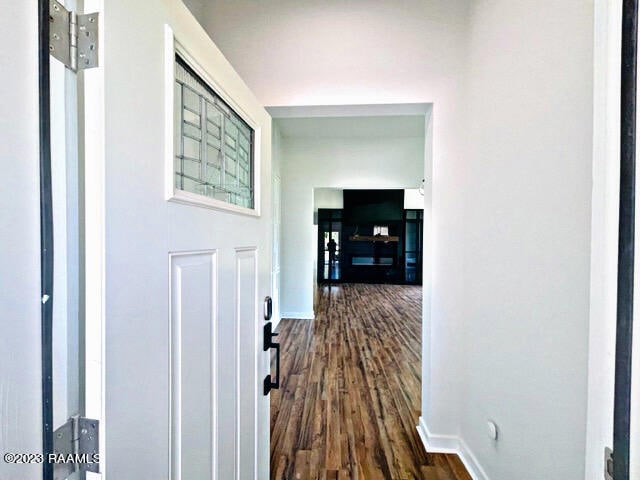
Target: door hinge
(608, 464)
(76, 447)
(73, 38)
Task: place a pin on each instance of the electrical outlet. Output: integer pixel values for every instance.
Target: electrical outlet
(492, 430)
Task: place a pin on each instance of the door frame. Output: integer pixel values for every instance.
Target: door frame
(93, 372)
(46, 234)
(626, 243)
(94, 242)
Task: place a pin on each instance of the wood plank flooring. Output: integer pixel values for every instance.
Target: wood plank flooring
(349, 399)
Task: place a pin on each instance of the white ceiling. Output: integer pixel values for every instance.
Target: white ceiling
(404, 126)
(319, 52)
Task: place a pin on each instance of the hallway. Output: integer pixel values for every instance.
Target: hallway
(350, 397)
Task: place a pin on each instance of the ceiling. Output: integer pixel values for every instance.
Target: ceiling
(337, 52)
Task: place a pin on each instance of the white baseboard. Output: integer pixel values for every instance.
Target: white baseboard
(298, 315)
(471, 462)
(451, 444)
(437, 443)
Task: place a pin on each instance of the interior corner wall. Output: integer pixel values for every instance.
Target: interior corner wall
(528, 237)
(20, 335)
(308, 163)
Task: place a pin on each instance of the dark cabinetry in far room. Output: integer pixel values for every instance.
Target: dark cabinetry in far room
(372, 240)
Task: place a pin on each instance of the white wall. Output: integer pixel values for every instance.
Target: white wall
(327, 198)
(276, 277)
(604, 233)
(507, 332)
(413, 199)
(308, 163)
(527, 248)
(276, 144)
(20, 370)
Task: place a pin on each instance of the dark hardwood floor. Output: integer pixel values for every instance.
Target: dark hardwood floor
(350, 396)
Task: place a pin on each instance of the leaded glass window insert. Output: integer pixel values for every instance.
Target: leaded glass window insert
(214, 146)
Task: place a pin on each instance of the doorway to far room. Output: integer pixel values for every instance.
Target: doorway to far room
(353, 226)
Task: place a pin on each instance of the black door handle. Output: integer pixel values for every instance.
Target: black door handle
(268, 343)
(268, 308)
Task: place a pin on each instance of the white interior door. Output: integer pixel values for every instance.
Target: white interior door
(187, 257)
(20, 335)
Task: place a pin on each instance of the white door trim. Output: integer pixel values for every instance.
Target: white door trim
(94, 160)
